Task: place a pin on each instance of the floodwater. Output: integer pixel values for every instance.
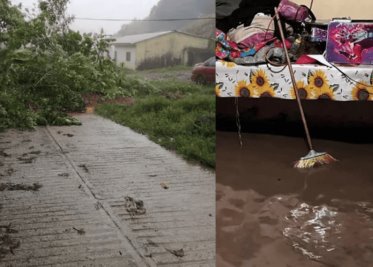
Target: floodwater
(270, 214)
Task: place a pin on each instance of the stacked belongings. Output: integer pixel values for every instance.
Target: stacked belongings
(249, 35)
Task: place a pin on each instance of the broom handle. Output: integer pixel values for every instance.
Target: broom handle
(309, 142)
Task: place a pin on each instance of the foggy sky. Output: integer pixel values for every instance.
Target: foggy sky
(117, 9)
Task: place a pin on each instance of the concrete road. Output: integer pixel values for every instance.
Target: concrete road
(101, 195)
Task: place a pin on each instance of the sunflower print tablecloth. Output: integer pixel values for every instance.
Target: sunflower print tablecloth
(313, 82)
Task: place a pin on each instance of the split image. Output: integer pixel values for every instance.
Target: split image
(230, 133)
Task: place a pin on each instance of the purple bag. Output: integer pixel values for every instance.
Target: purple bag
(291, 11)
(350, 42)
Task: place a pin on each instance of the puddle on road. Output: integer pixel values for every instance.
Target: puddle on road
(269, 214)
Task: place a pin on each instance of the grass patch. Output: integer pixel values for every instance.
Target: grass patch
(167, 69)
(180, 116)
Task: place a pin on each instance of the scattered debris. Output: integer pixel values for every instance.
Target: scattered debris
(8, 229)
(153, 175)
(1, 164)
(4, 154)
(20, 187)
(149, 255)
(152, 243)
(98, 205)
(164, 186)
(64, 174)
(68, 135)
(84, 167)
(134, 207)
(59, 132)
(7, 243)
(26, 141)
(10, 171)
(80, 186)
(120, 253)
(37, 152)
(210, 215)
(177, 252)
(79, 231)
(26, 160)
(31, 147)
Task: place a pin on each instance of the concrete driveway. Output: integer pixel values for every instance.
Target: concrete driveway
(101, 195)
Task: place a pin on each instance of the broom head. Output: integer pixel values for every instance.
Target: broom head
(314, 159)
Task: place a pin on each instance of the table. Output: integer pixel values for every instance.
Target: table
(313, 81)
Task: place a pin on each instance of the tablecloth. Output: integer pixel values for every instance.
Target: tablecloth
(313, 81)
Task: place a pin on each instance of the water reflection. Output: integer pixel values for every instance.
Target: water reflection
(272, 215)
(311, 228)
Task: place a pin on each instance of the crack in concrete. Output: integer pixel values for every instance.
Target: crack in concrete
(128, 240)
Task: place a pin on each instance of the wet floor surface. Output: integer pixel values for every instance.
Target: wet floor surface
(101, 195)
(269, 214)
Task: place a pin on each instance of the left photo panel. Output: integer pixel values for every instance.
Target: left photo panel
(107, 133)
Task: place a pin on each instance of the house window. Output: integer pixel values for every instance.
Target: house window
(128, 56)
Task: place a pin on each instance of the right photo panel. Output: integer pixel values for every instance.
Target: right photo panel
(294, 139)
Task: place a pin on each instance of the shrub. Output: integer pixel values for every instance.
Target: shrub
(45, 67)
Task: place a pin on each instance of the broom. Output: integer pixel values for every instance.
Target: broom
(313, 158)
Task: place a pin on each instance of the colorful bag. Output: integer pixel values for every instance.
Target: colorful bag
(260, 30)
(291, 11)
(350, 42)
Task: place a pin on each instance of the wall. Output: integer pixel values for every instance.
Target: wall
(327, 9)
(121, 55)
(168, 49)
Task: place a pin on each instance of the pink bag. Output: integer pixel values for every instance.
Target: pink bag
(291, 11)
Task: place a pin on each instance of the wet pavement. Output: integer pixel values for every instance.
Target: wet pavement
(269, 214)
(101, 195)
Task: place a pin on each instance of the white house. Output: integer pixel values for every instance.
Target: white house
(158, 49)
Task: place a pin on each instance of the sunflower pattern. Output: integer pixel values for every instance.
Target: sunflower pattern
(227, 64)
(243, 89)
(362, 92)
(259, 84)
(318, 83)
(218, 89)
(304, 91)
(313, 82)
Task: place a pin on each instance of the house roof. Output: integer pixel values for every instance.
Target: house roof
(136, 38)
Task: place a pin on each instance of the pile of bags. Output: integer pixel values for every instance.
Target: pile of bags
(254, 39)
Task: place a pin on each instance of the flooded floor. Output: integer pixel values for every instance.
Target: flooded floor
(270, 214)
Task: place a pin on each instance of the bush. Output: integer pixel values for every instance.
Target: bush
(45, 67)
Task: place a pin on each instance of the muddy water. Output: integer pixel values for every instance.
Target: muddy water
(269, 214)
